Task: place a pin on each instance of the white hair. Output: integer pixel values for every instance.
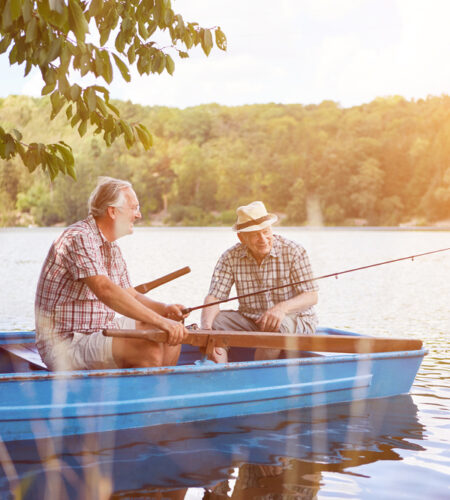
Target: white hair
(108, 192)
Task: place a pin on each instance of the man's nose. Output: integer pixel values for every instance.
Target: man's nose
(262, 238)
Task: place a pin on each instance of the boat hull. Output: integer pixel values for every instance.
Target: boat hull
(43, 404)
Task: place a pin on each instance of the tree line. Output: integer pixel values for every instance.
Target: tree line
(382, 163)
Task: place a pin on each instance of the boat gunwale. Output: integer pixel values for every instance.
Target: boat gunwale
(208, 366)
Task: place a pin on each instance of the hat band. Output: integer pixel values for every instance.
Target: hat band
(253, 222)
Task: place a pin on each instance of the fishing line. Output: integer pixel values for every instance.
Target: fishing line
(412, 257)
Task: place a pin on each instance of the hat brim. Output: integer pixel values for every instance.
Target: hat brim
(257, 227)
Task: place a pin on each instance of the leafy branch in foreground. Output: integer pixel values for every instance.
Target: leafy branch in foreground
(54, 36)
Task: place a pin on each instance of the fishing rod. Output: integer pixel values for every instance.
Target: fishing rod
(412, 257)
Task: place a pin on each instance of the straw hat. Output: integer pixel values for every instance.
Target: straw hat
(253, 217)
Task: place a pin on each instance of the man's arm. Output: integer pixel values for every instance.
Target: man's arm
(172, 311)
(209, 313)
(125, 303)
(271, 320)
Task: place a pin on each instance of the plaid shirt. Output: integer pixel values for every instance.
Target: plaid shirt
(286, 263)
(64, 304)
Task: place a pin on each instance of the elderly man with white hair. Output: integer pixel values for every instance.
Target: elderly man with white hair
(262, 260)
(84, 282)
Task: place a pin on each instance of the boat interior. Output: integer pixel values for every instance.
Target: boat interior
(18, 354)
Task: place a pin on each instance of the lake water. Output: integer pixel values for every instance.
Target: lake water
(391, 448)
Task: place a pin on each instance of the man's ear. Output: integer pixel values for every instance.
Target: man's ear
(111, 211)
(241, 239)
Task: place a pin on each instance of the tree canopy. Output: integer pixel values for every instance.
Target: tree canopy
(91, 38)
(381, 163)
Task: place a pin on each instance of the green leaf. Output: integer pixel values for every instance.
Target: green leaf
(50, 87)
(98, 63)
(104, 35)
(144, 136)
(27, 10)
(31, 30)
(52, 165)
(142, 30)
(82, 128)
(6, 15)
(10, 146)
(75, 92)
(107, 68)
(16, 134)
(71, 171)
(102, 106)
(49, 75)
(16, 9)
(75, 119)
(57, 103)
(187, 39)
(54, 50)
(66, 154)
(4, 43)
(123, 68)
(113, 108)
(91, 99)
(77, 20)
(13, 55)
(57, 5)
(206, 41)
(170, 65)
(120, 42)
(131, 54)
(221, 39)
(28, 67)
(85, 64)
(95, 8)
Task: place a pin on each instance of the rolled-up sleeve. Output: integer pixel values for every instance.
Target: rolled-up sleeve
(82, 257)
(301, 270)
(222, 279)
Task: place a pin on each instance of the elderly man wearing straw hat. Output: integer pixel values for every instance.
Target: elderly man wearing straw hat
(259, 261)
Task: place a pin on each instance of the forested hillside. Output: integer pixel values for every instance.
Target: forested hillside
(382, 163)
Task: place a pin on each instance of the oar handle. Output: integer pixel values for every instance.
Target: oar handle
(145, 287)
(275, 340)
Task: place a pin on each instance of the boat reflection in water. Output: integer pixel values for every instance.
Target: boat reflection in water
(245, 457)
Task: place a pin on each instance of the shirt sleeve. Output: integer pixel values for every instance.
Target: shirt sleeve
(301, 271)
(222, 279)
(82, 257)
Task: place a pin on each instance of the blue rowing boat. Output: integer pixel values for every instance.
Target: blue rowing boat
(36, 403)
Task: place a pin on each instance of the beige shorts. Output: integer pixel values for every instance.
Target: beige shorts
(234, 320)
(83, 351)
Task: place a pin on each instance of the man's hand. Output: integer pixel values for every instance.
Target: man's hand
(271, 320)
(173, 311)
(176, 332)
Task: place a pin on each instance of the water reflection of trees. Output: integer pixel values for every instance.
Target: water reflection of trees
(282, 456)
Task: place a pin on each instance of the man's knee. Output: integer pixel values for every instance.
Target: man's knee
(135, 353)
(233, 320)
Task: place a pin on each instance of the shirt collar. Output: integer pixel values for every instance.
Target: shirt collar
(96, 230)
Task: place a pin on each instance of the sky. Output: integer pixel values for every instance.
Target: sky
(294, 51)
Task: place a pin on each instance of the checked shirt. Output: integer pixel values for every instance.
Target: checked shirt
(286, 263)
(64, 304)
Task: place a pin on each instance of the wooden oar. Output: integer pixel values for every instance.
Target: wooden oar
(323, 343)
(145, 287)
